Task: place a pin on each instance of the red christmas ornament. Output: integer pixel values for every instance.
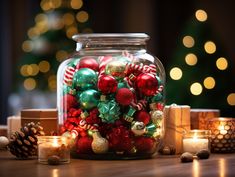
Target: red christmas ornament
(124, 96)
(120, 140)
(69, 101)
(84, 145)
(144, 144)
(93, 117)
(88, 62)
(147, 84)
(143, 116)
(107, 84)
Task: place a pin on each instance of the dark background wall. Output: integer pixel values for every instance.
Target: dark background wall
(162, 20)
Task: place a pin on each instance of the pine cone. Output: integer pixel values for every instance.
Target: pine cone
(23, 143)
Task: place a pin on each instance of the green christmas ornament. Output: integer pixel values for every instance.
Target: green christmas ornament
(122, 85)
(89, 99)
(156, 98)
(84, 79)
(109, 111)
(159, 80)
(150, 129)
(73, 62)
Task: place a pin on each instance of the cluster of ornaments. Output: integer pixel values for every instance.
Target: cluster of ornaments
(112, 105)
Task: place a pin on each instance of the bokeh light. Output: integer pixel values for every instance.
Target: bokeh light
(27, 46)
(188, 41)
(44, 66)
(222, 63)
(231, 99)
(82, 16)
(210, 47)
(61, 55)
(209, 82)
(76, 4)
(23, 70)
(191, 59)
(68, 19)
(196, 88)
(71, 31)
(201, 15)
(30, 84)
(176, 73)
(52, 82)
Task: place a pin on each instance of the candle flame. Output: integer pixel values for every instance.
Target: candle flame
(221, 127)
(55, 142)
(222, 130)
(195, 138)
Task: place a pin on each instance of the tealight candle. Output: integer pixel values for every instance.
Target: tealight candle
(222, 134)
(196, 140)
(53, 146)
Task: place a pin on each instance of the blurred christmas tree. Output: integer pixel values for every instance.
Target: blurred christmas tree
(201, 74)
(49, 42)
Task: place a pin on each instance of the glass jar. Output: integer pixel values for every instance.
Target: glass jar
(111, 97)
(196, 140)
(53, 149)
(222, 134)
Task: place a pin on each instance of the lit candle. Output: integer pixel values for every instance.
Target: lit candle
(193, 142)
(49, 146)
(222, 131)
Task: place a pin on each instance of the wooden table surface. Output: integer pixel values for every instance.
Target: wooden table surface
(218, 165)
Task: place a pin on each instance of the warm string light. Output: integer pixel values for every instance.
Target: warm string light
(51, 20)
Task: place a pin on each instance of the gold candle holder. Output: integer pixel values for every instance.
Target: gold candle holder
(56, 147)
(222, 134)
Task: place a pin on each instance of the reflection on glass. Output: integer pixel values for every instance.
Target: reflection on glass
(195, 168)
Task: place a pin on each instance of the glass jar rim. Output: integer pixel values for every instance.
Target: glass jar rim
(222, 119)
(140, 36)
(196, 132)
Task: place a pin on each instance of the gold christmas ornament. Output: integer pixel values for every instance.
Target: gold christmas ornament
(99, 144)
(138, 128)
(116, 68)
(157, 117)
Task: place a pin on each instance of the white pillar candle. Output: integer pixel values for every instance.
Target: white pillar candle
(195, 144)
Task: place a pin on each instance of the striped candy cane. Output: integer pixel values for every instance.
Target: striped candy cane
(143, 68)
(85, 126)
(140, 105)
(68, 75)
(125, 53)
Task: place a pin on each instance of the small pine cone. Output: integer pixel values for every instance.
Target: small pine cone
(23, 143)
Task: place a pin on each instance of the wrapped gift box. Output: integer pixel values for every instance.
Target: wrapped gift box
(177, 121)
(46, 117)
(200, 117)
(3, 130)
